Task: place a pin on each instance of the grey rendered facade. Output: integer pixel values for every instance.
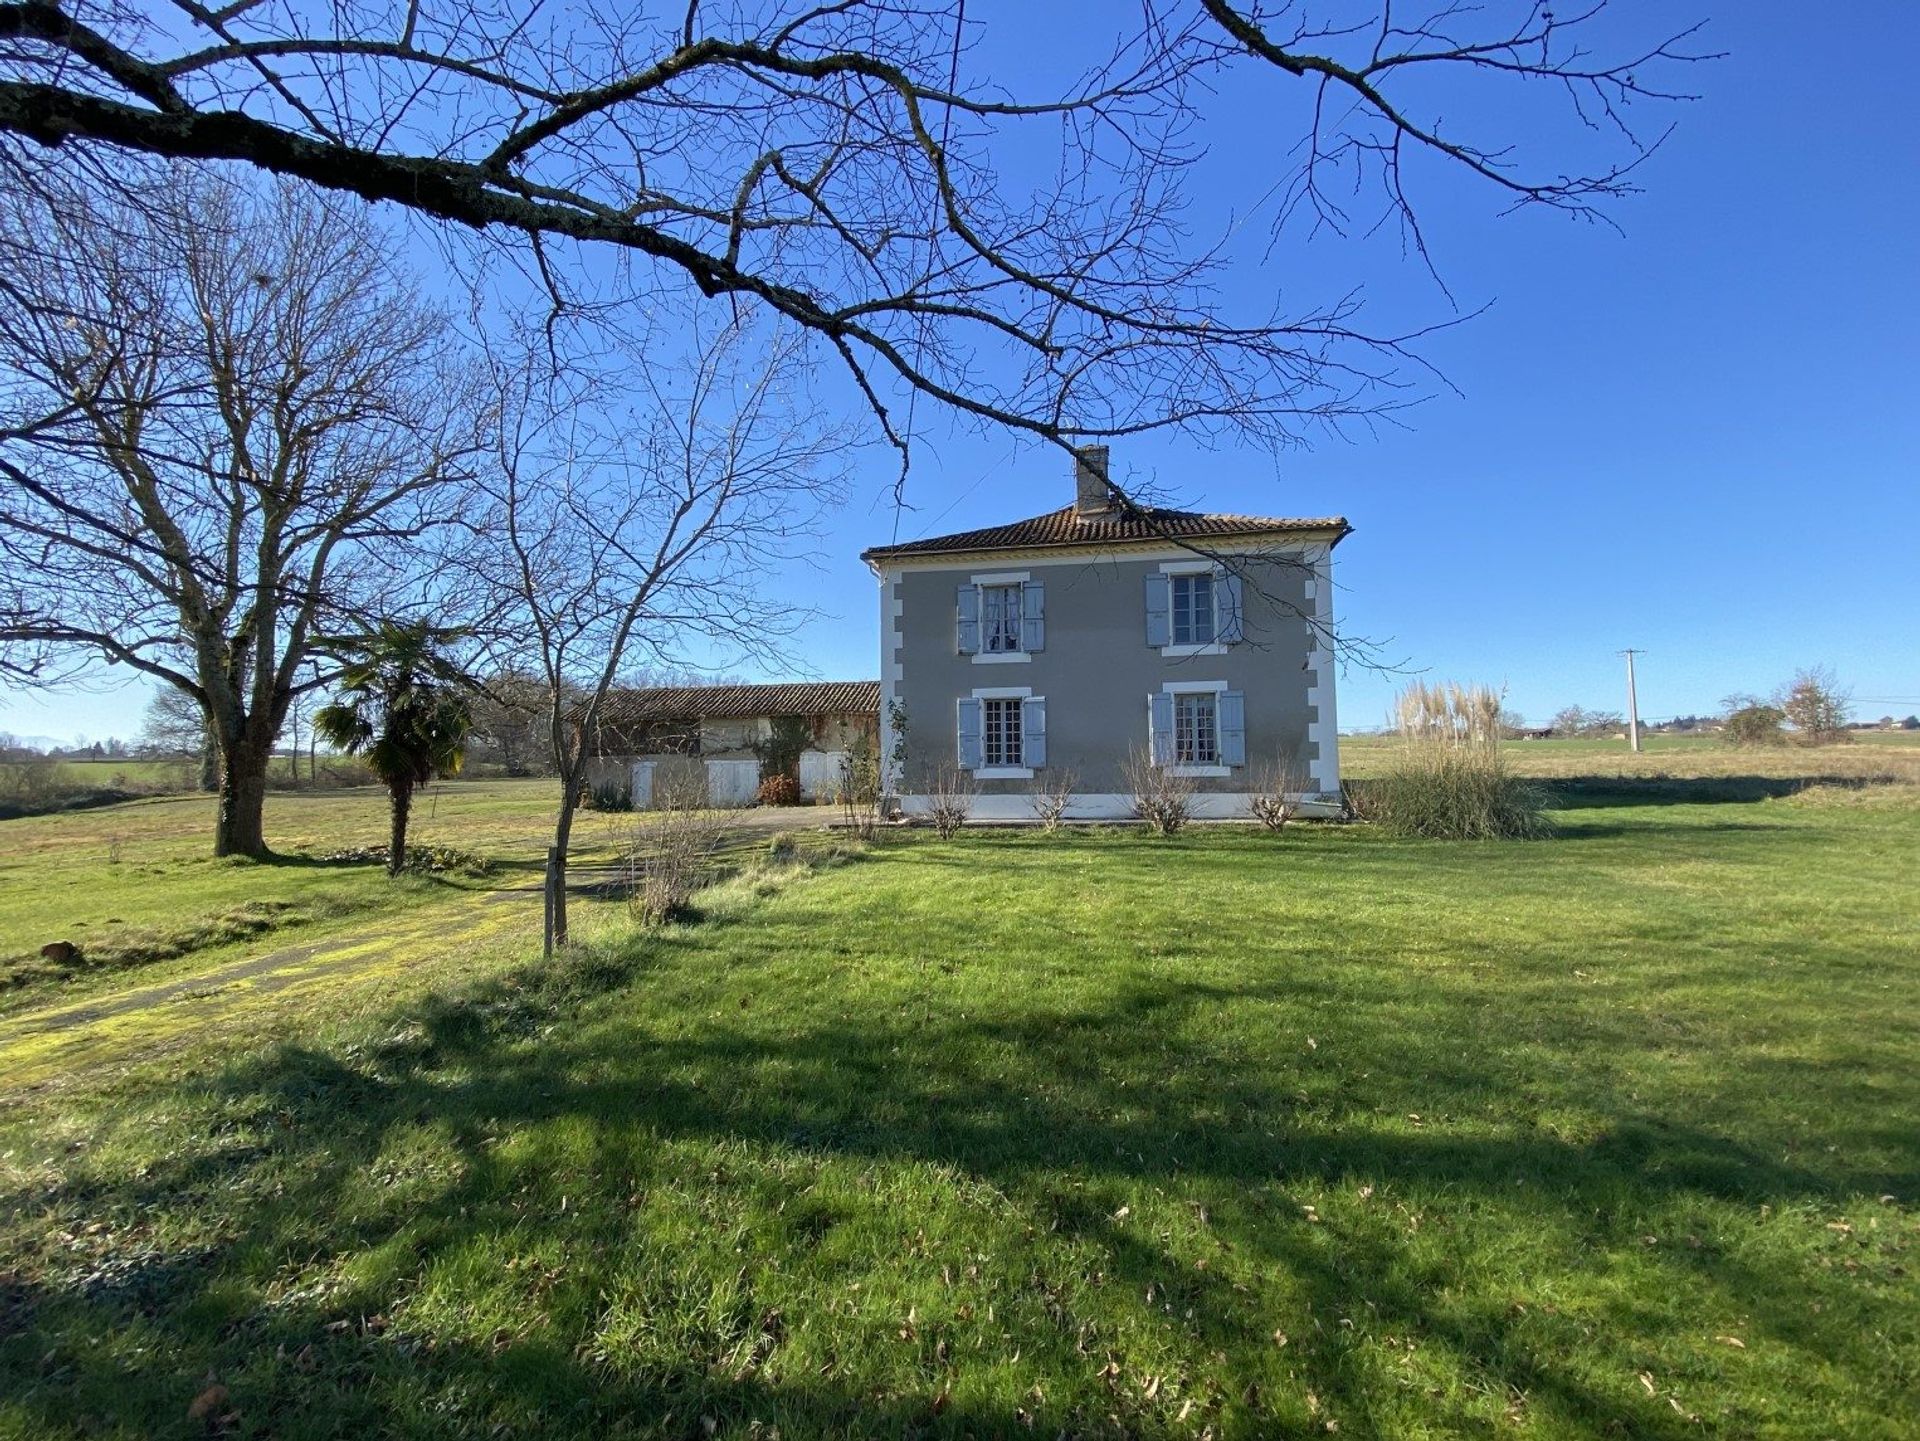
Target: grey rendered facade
(1065, 643)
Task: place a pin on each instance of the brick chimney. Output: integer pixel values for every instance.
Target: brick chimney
(1090, 494)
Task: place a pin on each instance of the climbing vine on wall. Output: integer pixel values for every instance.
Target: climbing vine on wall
(780, 752)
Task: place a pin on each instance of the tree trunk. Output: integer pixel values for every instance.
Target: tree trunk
(397, 842)
(241, 830)
(209, 765)
(562, 830)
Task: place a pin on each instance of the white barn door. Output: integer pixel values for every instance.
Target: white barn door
(732, 783)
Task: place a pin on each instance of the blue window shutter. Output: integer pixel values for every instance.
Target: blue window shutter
(969, 747)
(1159, 611)
(1233, 728)
(1160, 728)
(1033, 732)
(968, 609)
(1033, 615)
(1228, 598)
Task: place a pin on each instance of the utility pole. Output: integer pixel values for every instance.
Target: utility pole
(1633, 705)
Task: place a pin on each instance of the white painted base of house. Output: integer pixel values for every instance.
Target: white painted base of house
(1207, 806)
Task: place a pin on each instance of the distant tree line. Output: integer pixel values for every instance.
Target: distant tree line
(1811, 709)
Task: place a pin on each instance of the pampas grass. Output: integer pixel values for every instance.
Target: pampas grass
(1448, 779)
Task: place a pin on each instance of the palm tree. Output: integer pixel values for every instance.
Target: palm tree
(402, 704)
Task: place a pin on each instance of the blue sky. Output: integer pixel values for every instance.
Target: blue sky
(1700, 437)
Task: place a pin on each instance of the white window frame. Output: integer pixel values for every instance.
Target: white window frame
(1200, 687)
(1001, 692)
(1171, 568)
(983, 656)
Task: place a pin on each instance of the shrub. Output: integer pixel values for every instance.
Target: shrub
(671, 856)
(1050, 796)
(1277, 788)
(1163, 800)
(950, 793)
(1755, 723)
(610, 796)
(860, 787)
(1816, 707)
(778, 790)
(1448, 779)
(1453, 793)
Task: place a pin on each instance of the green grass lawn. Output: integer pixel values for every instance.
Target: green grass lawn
(136, 883)
(1616, 1134)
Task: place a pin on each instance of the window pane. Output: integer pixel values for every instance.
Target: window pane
(1202, 609)
(1196, 730)
(1000, 618)
(1192, 609)
(1001, 723)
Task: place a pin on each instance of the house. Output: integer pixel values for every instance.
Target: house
(1065, 643)
(712, 741)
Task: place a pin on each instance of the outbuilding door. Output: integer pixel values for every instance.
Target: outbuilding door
(732, 783)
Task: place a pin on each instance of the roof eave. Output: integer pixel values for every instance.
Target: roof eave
(876, 556)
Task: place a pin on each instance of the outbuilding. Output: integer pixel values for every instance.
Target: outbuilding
(713, 743)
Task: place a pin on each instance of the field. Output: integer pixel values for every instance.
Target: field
(1234, 1135)
(136, 884)
(1873, 754)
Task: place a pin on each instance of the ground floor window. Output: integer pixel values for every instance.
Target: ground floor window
(1196, 729)
(1000, 724)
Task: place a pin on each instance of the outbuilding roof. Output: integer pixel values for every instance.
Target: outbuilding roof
(1068, 527)
(736, 702)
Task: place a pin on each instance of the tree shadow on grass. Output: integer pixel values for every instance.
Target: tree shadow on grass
(625, 1114)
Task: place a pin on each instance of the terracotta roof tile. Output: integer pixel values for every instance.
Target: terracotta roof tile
(734, 702)
(1064, 527)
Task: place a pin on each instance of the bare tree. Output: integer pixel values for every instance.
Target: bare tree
(175, 725)
(1817, 706)
(859, 169)
(510, 721)
(223, 420)
(622, 536)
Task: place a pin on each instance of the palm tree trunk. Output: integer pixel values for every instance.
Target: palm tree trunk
(397, 844)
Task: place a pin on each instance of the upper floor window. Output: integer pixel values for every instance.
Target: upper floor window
(1000, 619)
(1193, 621)
(1193, 608)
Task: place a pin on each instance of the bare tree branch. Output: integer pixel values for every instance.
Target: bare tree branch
(846, 166)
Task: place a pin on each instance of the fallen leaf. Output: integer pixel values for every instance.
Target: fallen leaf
(1731, 1341)
(1646, 1379)
(207, 1402)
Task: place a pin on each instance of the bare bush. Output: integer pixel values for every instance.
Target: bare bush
(1160, 797)
(860, 788)
(1816, 706)
(671, 855)
(950, 793)
(1050, 796)
(1277, 790)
